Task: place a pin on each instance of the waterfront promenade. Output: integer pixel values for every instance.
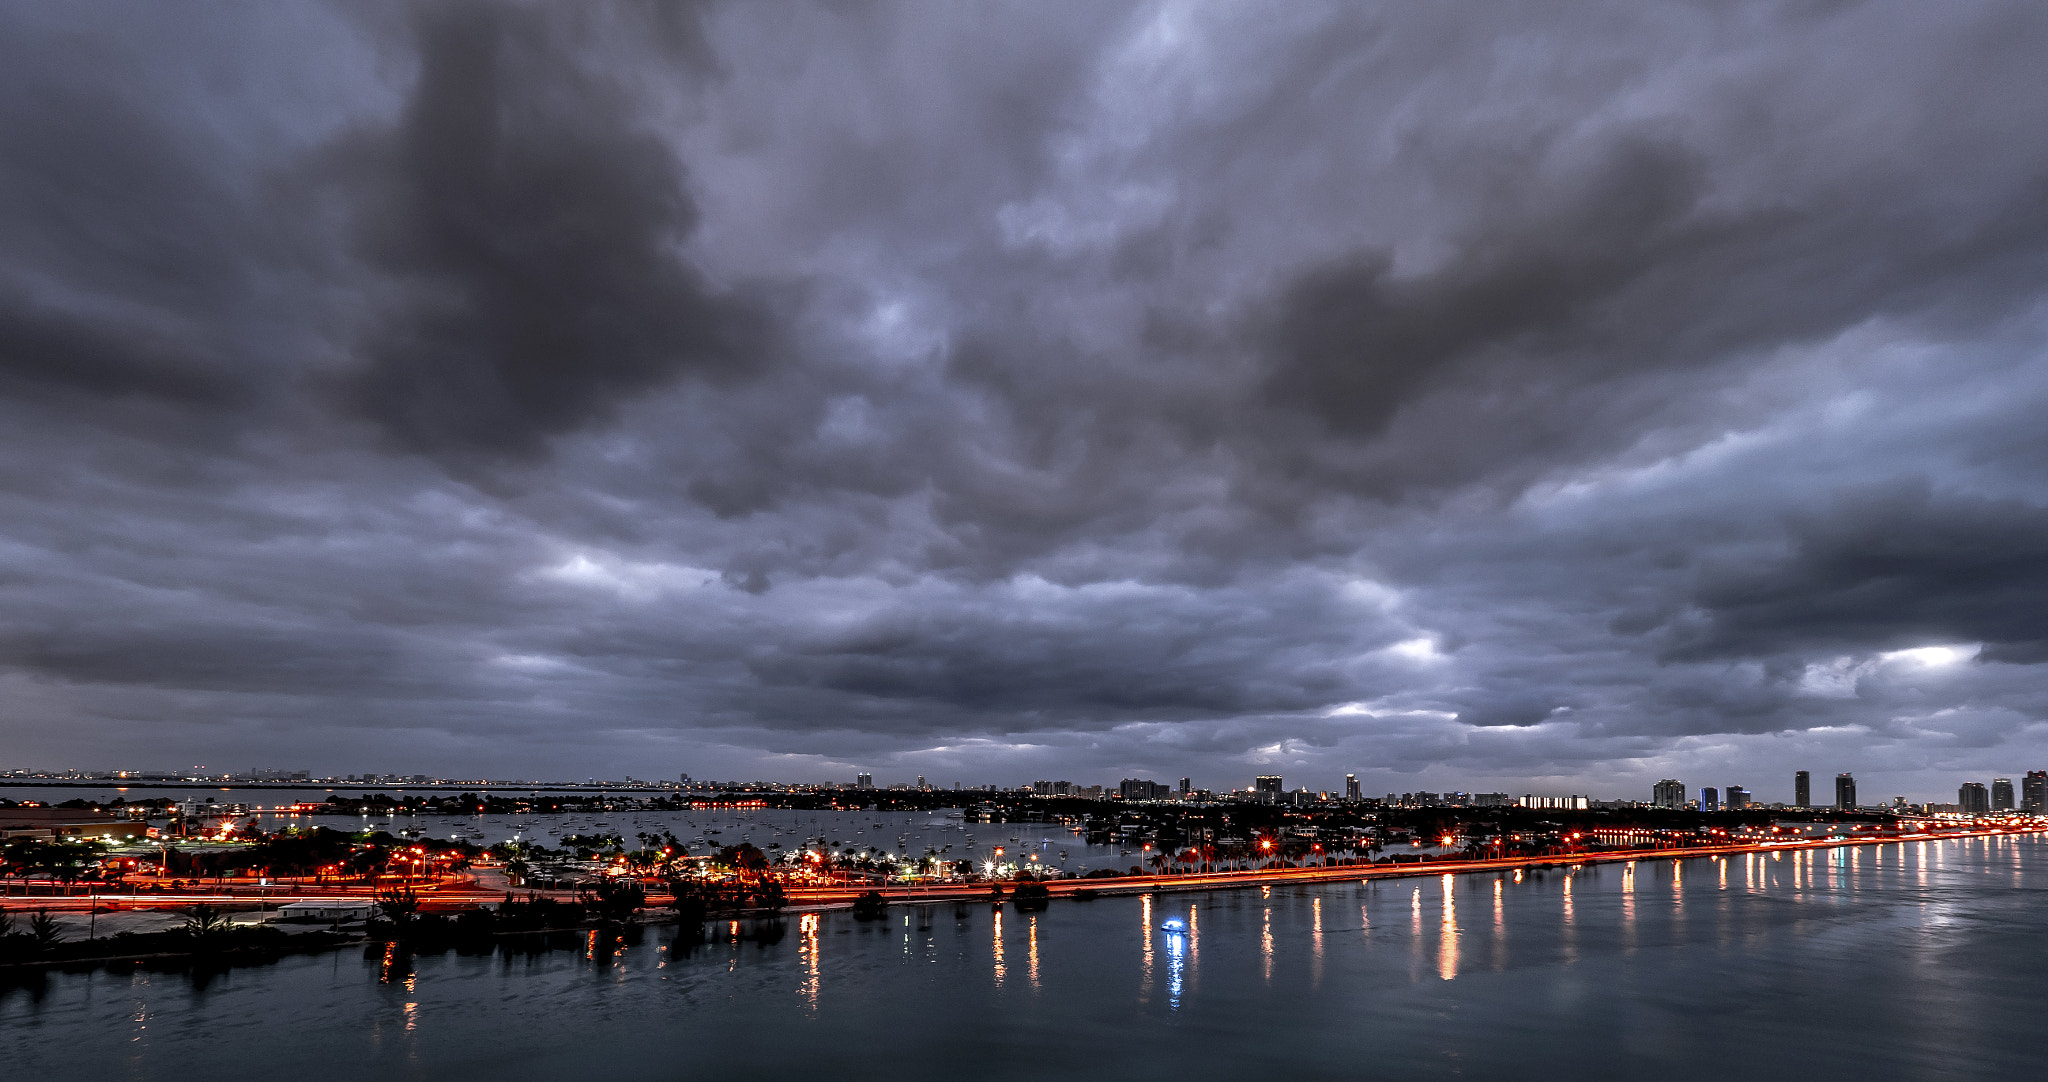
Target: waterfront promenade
(486, 886)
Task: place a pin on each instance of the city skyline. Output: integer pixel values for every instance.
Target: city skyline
(2000, 795)
(1141, 391)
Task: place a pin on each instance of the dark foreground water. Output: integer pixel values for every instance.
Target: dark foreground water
(1923, 960)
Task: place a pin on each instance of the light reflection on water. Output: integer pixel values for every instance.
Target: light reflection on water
(807, 950)
(1266, 944)
(1176, 951)
(1033, 955)
(1915, 961)
(997, 949)
(1447, 943)
(1145, 926)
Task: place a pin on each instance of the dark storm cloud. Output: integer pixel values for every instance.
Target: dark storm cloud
(121, 251)
(1542, 312)
(1355, 342)
(1467, 397)
(1885, 571)
(1101, 653)
(531, 226)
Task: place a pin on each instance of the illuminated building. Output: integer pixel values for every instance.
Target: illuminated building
(1802, 789)
(1973, 798)
(1351, 787)
(1267, 783)
(1845, 791)
(1553, 803)
(1669, 793)
(1140, 789)
(1738, 797)
(2034, 791)
(1710, 798)
(69, 823)
(2001, 794)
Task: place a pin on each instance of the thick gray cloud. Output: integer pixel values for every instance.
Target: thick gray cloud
(532, 228)
(1532, 399)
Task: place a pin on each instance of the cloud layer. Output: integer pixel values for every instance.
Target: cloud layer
(1547, 400)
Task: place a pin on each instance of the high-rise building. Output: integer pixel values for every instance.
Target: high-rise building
(1351, 787)
(2001, 794)
(1187, 785)
(1738, 797)
(1845, 791)
(1710, 799)
(920, 781)
(1802, 789)
(1141, 789)
(1973, 798)
(2034, 791)
(1669, 793)
(1267, 783)
(863, 781)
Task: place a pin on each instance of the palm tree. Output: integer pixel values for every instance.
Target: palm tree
(399, 904)
(203, 921)
(44, 929)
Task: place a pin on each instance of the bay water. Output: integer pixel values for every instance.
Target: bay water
(1920, 960)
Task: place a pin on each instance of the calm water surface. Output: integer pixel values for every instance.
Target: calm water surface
(1923, 960)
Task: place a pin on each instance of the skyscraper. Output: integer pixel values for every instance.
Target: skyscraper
(2001, 794)
(1802, 789)
(1267, 783)
(2034, 791)
(1973, 798)
(1351, 787)
(863, 781)
(1669, 793)
(1187, 785)
(1710, 799)
(1845, 791)
(1738, 797)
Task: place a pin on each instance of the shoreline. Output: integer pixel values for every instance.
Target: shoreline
(816, 899)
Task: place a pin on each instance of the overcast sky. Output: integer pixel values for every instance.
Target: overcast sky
(1539, 398)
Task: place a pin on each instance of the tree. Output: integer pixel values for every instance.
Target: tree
(205, 922)
(400, 904)
(66, 862)
(615, 900)
(44, 929)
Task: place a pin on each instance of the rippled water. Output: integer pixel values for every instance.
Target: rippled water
(1922, 960)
